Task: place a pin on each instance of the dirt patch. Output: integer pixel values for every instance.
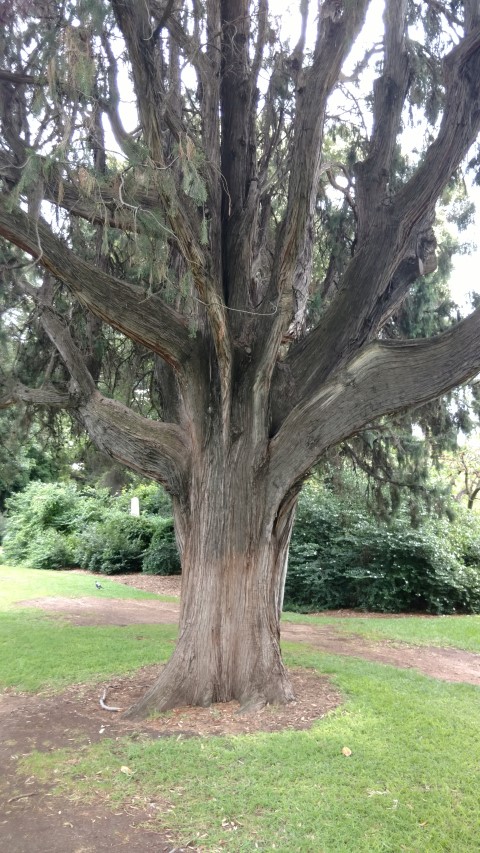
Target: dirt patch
(34, 820)
(91, 610)
(446, 664)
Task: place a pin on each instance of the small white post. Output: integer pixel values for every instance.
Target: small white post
(135, 507)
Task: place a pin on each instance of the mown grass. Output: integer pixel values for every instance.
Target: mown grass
(47, 652)
(20, 584)
(461, 632)
(38, 652)
(411, 783)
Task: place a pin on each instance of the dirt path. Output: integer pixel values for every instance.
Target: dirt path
(443, 663)
(34, 820)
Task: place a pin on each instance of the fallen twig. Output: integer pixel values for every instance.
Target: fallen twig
(104, 706)
(23, 796)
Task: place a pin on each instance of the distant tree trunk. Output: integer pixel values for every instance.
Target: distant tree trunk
(472, 498)
(234, 544)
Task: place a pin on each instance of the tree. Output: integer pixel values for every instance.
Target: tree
(198, 248)
(461, 469)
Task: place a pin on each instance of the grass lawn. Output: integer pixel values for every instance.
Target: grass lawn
(460, 632)
(411, 783)
(39, 651)
(20, 584)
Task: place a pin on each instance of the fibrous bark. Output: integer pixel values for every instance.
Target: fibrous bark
(234, 549)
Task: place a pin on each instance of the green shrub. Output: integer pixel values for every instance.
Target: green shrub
(36, 515)
(115, 545)
(162, 557)
(464, 536)
(343, 557)
(51, 550)
(53, 525)
(153, 499)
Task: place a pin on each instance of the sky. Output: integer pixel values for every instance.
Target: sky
(465, 277)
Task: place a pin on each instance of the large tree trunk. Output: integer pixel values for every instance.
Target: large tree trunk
(234, 548)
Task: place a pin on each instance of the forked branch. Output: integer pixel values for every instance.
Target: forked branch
(157, 449)
(385, 377)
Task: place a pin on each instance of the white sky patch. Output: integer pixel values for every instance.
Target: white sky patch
(465, 277)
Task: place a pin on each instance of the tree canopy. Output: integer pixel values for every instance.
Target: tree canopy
(209, 229)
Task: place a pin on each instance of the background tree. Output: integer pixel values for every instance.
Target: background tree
(461, 469)
(196, 248)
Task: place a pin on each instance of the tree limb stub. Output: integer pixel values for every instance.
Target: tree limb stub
(12, 392)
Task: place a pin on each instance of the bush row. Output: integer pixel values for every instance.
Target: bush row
(54, 526)
(341, 557)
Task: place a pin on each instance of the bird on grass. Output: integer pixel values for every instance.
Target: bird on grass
(98, 585)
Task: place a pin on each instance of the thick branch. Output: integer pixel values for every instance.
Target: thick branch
(383, 378)
(334, 41)
(152, 448)
(71, 355)
(145, 319)
(292, 270)
(14, 392)
(459, 128)
(135, 24)
(373, 175)
(235, 93)
(353, 317)
(18, 78)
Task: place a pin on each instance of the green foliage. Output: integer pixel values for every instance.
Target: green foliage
(51, 550)
(341, 556)
(124, 543)
(153, 499)
(162, 557)
(40, 524)
(27, 454)
(51, 526)
(116, 544)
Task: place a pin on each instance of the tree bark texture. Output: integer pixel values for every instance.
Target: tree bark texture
(234, 548)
